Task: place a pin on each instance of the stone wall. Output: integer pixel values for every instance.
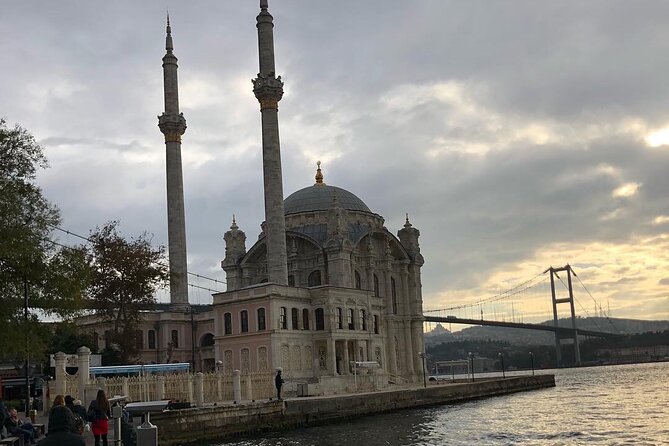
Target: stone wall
(202, 424)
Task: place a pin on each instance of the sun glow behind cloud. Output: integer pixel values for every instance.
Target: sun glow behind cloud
(658, 138)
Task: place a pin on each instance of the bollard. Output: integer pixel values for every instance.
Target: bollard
(236, 386)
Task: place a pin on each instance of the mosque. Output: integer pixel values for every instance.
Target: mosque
(325, 286)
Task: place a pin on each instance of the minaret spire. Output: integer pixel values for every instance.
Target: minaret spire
(268, 89)
(172, 124)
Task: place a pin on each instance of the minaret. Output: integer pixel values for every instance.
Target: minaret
(268, 89)
(172, 124)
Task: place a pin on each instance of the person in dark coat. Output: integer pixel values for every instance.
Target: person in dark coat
(15, 426)
(278, 382)
(78, 409)
(61, 424)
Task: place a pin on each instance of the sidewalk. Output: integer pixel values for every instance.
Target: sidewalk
(88, 436)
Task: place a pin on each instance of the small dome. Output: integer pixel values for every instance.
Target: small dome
(319, 198)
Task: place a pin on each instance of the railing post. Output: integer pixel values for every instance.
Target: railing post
(236, 386)
(190, 389)
(160, 387)
(199, 389)
(126, 389)
(219, 386)
(249, 388)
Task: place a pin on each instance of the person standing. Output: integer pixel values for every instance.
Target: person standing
(278, 382)
(98, 414)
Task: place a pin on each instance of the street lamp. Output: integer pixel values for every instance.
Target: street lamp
(471, 362)
(422, 356)
(532, 362)
(501, 358)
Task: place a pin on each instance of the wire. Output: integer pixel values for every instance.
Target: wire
(593, 298)
(160, 263)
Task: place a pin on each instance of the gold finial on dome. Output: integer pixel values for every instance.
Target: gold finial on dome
(319, 174)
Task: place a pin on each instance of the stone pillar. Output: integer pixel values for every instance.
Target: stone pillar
(199, 389)
(84, 359)
(332, 353)
(60, 359)
(236, 386)
(172, 124)
(268, 89)
(249, 387)
(408, 347)
(391, 357)
(160, 387)
(347, 365)
(45, 399)
(126, 389)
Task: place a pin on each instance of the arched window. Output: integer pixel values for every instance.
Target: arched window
(175, 338)
(244, 320)
(227, 323)
(283, 318)
(207, 340)
(363, 320)
(315, 278)
(393, 293)
(351, 319)
(305, 319)
(262, 325)
(295, 323)
(358, 281)
(340, 318)
(376, 324)
(152, 339)
(376, 285)
(139, 340)
(320, 319)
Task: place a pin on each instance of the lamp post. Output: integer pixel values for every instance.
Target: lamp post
(471, 362)
(501, 358)
(422, 356)
(532, 362)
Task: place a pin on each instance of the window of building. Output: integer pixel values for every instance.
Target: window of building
(207, 340)
(283, 318)
(291, 280)
(393, 293)
(376, 285)
(227, 323)
(315, 278)
(320, 319)
(305, 319)
(244, 320)
(175, 338)
(358, 281)
(363, 320)
(351, 319)
(262, 325)
(295, 323)
(340, 318)
(376, 324)
(96, 340)
(152, 339)
(139, 340)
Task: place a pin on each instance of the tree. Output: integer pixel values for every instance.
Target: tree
(125, 275)
(30, 262)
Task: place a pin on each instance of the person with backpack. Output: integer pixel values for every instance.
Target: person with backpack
(98, 414)
(61, 427)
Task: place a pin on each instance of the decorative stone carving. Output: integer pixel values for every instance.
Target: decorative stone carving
(227, 361)
(322, 358)
(308, 358)
(172, 126)
(296, 359)
(377, 355)
(285, 357)
(262, 358)
(268, 90)
(397, 354)
(245, 360)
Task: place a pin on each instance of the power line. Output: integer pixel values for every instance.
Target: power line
(199, 276)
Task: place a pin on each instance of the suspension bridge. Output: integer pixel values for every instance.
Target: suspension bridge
(537, 299)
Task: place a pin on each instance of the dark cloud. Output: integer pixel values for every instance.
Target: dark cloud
(501, 128)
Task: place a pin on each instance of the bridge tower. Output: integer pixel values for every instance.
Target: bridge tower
(564, 300)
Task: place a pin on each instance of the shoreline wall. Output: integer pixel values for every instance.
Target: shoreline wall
(208, 424)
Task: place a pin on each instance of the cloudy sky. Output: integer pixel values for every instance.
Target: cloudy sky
(517, 135)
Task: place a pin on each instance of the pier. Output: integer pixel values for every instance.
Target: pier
(225, 421)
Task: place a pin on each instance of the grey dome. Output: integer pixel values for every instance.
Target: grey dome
(319, 198)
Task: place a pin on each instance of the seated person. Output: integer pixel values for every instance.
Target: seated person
(18, 428)
(61, 427)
